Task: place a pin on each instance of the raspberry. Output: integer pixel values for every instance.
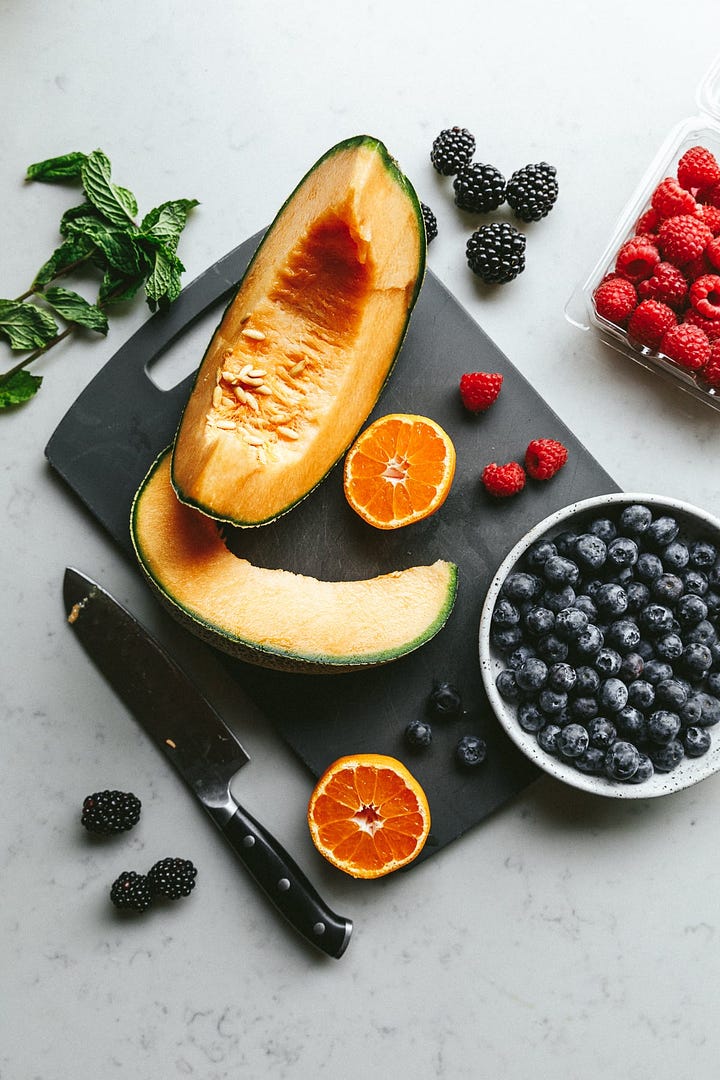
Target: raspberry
(697, 168)
(649, 321)
(648, 223)
(710, 216)
(479, 389)
(637, 259)
(669, 199)
(705, 295)
(710, 326)
(683, 238)
(544, 457)
(502, 481)
(712, 251)
(711, 371)
(668, 285)
(615, 299)
(697, 267)
(687, 345)
(710, 196)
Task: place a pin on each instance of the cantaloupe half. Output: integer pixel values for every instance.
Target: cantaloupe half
(273, 617)
(306, 345)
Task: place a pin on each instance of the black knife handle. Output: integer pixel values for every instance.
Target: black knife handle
(282, 880)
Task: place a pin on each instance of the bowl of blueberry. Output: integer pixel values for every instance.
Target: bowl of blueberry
(600, 645)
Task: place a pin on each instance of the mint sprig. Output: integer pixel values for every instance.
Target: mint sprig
(101, 234)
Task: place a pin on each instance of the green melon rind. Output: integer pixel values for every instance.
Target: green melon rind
(280, 659)
(402, 181)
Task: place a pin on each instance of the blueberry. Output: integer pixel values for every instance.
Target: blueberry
(621, 760)
(611, 599)
(676, 556)
(668, 756)
(573, 741)
(638, 595)
(547, 738)
(645, 649)
(691, 711)
(662, 531)
(418, 734)
(644, 771)
(584, 603)
(713, 575)
(703, 633)
(667, 588)
(590, 641)
(669, 647)
(648, 567)
(602, 732)
(444, 700)
(641, 694)
(690, 609)
(631, 667)
(530, 718)
(712, 599)
(552, 648)
(505, 613)
(591, 588)
(695, 582)
(624, 634)
(562, 677)
(587, 681)
(557, 599)
(559, 572)
(590, 551)
(539, 620)
(591, 761)
(604, 528)
(613, 695)
(662, 726)
(709, 709)
(521, 586)
(471, 751)
(657, 619)
(703, 554)
(624, 576)
(696, 658)
(552, 702)
(696, 741)
(565, 543)
(583, 709)
(632, 724)
(671, 694)
(538, 554)
(608, 662)
(713, 683)
(657, 670)
(635, 519)
(507, 686)
(622, 552)
(506, 638)
(518, 656)
(570, 622)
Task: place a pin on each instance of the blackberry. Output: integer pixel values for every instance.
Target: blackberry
(479, 188)
(106, 812)
(453, 148)
(532, 191)
(131, 892)
(172, 878)
(431, 226)
(496, 253)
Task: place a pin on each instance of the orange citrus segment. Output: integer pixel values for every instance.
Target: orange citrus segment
(368, 815)
(399, 470)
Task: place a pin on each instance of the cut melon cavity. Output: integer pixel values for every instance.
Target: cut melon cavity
(273, 617)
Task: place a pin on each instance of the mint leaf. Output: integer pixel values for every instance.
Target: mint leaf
(65, 167)
(84, 210)
(119, 246)
(117, 288)
(71, 251)
(18, 388)
(167, 221)
(25, 325)
(163, 285)
(116, 204)
(75, 309)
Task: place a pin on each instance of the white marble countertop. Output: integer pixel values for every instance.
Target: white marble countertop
(566, 935)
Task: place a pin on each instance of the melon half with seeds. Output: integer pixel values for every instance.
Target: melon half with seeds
(307, 344)
(276, 618)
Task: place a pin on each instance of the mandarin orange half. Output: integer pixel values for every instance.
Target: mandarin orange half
(399, 470)
(368, 815)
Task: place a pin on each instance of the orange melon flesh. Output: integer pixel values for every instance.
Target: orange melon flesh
(320, 314)
(271, 616)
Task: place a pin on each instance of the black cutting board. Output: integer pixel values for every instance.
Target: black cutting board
(105, 444)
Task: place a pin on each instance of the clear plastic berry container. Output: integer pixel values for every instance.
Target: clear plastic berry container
(700, 130)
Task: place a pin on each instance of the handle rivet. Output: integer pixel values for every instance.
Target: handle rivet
(283, 884)
(319, 929)
(248, 841)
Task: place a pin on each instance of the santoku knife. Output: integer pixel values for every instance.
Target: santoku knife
(191, 734)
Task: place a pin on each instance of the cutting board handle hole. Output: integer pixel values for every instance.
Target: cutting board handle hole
(167, 368)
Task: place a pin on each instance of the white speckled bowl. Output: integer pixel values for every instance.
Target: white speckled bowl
(699, 523)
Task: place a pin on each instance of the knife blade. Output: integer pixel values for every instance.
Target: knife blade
(197, 742)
